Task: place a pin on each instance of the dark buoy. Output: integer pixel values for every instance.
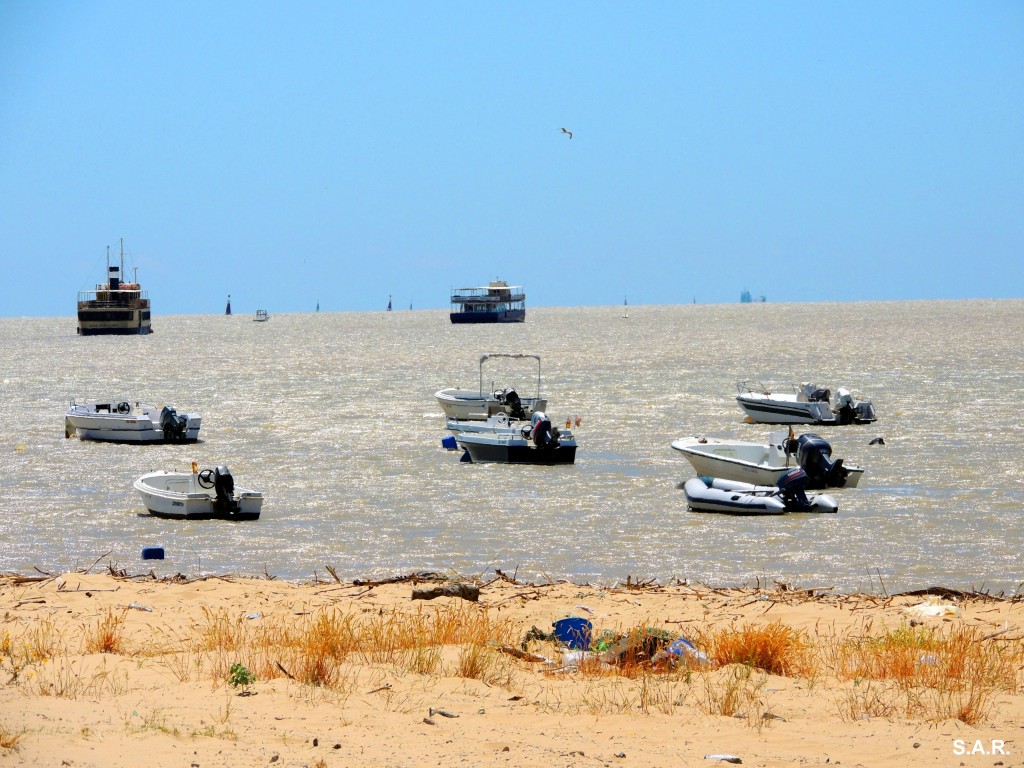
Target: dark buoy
(152, 553)
(877, 441)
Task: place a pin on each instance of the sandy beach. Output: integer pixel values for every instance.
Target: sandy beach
(111, 670)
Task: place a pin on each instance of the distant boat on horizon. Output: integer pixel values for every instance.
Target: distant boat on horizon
(625, 308)
(114, 307)
(497, 302)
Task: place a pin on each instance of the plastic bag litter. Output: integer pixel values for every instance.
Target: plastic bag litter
(681, 648)
(930, 608)
(572, 659)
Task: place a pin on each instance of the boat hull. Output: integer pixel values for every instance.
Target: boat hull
(517, 453)
(506, 316)
(763, 410)
(113, 319)
(111, 330)
(177, 496)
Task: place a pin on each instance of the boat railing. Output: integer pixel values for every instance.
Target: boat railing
(509, 356)
(510, 294)
(752, 388)
(110, 298)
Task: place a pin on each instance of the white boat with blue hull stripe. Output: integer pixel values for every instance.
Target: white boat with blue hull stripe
(808, 404)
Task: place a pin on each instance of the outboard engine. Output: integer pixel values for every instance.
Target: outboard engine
(864, 412)
(543, 436)
(511, 400)
(791, 488)
(173, 425)
(845, 411)
(224, 485)
(814, 455)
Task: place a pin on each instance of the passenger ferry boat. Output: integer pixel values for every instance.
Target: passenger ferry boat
(498, 302)
(114, 307)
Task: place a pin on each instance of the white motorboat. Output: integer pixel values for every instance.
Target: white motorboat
(207, 495)
(500, 441)
(762, 464)
(465, 404)
(807, 404)
(261, 316)
(123, 422)
(713, 494)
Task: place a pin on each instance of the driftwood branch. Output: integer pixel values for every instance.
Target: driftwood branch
(413, 577)
(96, 561)
(465, 591)
(505, 577)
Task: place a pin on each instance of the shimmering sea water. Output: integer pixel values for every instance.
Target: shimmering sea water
(333, 417)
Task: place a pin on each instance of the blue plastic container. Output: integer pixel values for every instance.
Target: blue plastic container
(449, 442)
(573, 632)
(152, 553)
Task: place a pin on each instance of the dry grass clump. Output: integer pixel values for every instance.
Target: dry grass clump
(9, 739)
(313, 650)
(928, 656)
(69, 678)
(930, 672)
(107, 635)
(737, 690)
(773, 648)
(39, 642)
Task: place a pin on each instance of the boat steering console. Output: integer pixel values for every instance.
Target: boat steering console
(220, 478)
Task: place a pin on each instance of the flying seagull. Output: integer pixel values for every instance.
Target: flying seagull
(567, 133)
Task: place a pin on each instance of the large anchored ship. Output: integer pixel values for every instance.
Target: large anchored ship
(497, 302)
(114, 307)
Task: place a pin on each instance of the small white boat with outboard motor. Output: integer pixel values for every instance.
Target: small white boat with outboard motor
(807, 404)
(209, 494)
(508, 441)
(123, 422)
(466, 404)
(731, 497)
(764, 464)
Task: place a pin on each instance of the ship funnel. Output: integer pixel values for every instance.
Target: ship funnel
(114, 277)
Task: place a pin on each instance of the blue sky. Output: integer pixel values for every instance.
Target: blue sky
(286, 153)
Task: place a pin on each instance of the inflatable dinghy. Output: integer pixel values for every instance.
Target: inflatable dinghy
(713, 494)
